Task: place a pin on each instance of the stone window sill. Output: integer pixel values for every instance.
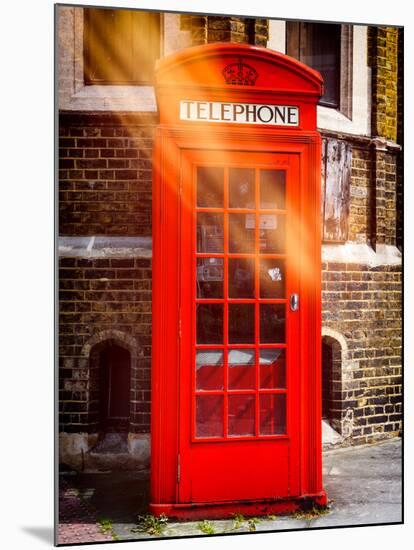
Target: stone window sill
(114, 98)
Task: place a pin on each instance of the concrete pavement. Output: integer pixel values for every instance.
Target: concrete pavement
(363, 483)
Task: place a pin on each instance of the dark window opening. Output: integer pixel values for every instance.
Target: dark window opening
(319, 46)
(327, 365)
(332, 395)
(114, 388)
(120, 46)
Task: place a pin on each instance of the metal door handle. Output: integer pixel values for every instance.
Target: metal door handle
(294, 302)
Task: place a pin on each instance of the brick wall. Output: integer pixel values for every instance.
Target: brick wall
(383, 58)
(105, 189)
(361, 304)
(105, 178)
(390, 221)
(400, 139)
(207, 29)
(360, 193)
(373, 193)
(364, 304)
(110, 297)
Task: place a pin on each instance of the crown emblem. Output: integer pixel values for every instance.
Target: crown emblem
(240, 73)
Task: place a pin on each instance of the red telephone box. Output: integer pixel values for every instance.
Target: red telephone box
(236, 379)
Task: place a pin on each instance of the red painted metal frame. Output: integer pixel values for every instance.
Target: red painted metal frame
(196, 73)
(188, 238)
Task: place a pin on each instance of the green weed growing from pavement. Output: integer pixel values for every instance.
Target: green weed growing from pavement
(238, 520)
(105, 525)
(151, 524)
(252, 522)
(206, 527)
(311, 513)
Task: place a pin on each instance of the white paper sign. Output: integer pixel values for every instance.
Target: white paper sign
(267, 221)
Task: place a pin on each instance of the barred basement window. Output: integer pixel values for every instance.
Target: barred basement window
(120, 46)
(328, 49)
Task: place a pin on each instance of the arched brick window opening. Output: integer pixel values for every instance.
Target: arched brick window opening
(332, 402)
(110, 379)
(114, 388)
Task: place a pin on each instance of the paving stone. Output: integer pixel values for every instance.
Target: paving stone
(77, 520)
(363, 483)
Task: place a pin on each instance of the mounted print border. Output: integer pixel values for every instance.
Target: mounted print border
(230, 238)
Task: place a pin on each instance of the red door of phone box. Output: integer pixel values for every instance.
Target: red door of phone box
(236, 378)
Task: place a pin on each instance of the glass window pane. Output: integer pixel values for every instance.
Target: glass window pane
(241, 233)
(209, 323)
(272, 323)
(241, 188)
(241, 323)
(113, 61)
(209, 416)
(272, 368)
(318, 45)
(209, 277)
(272, 414)
(209, 369)
(241, 415)
(272, 278)
(272, 234)
(210, 185)
(322, 52)
(241, 278)
(272, 189)
(242, 372)
(209, 232)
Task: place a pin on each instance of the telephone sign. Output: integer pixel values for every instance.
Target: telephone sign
(240, 113)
